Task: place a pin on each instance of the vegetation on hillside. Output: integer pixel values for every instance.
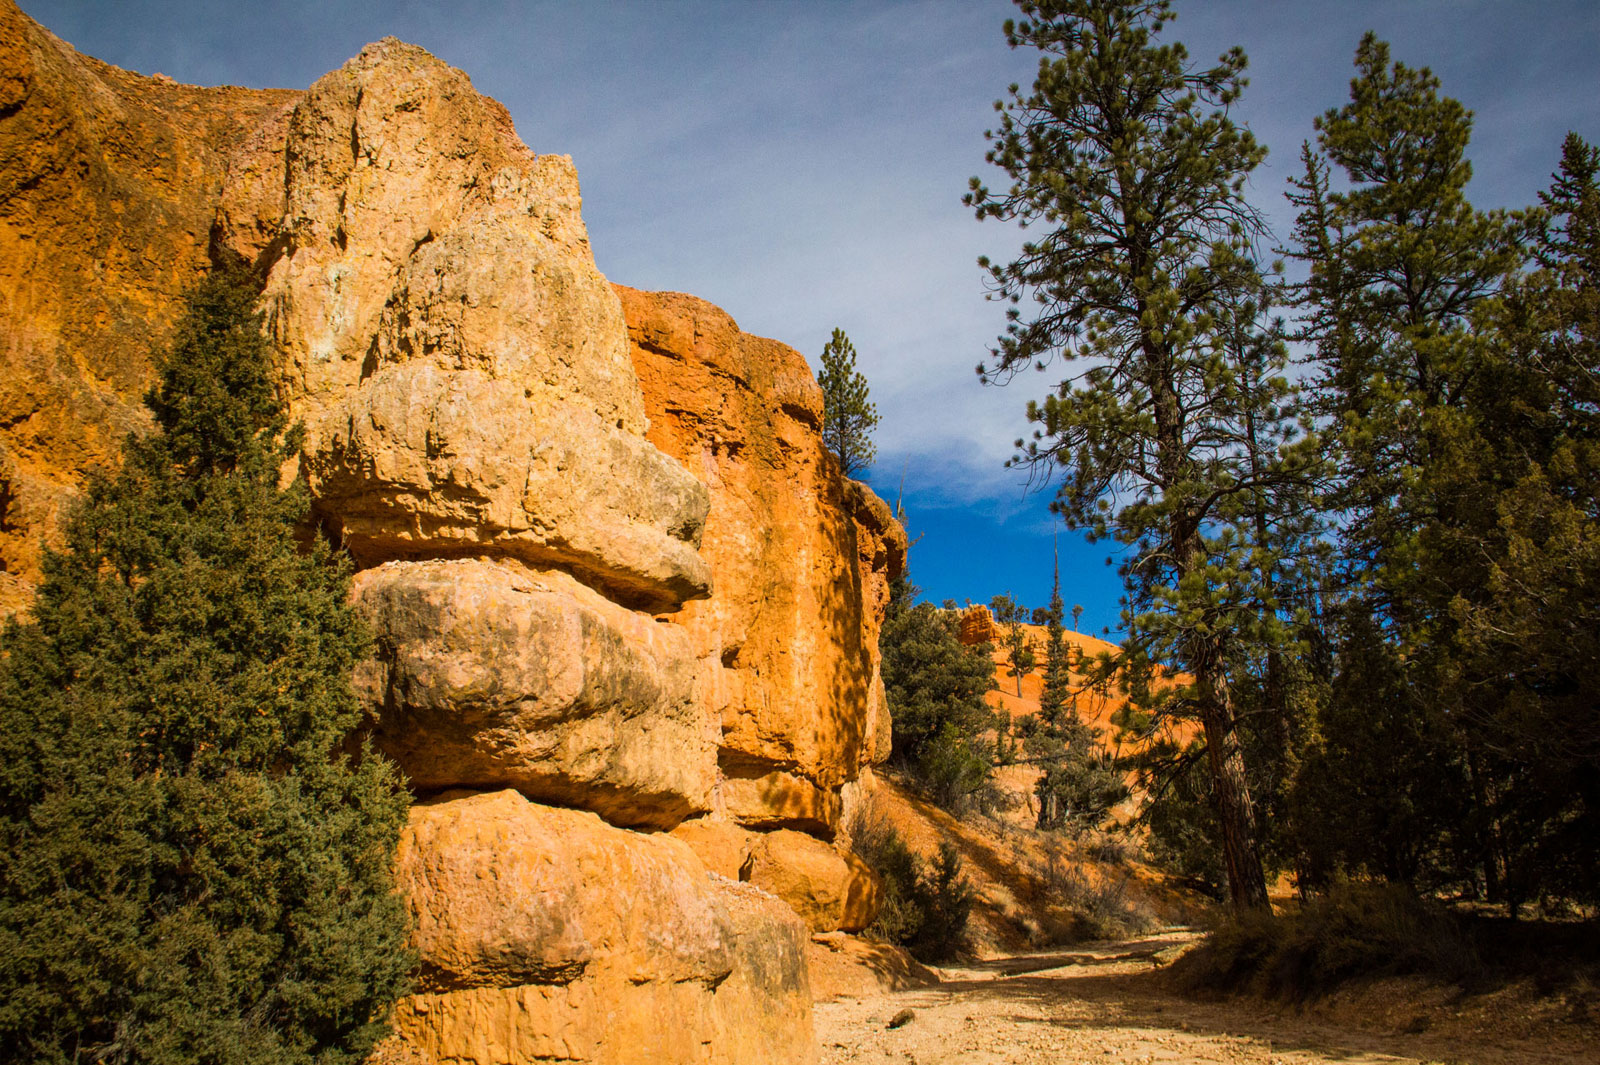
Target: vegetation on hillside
(194, 867)
(925, 904)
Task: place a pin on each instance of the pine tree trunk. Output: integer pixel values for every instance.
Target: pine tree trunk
(1247, 882)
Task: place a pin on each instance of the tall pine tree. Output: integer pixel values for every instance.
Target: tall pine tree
(848, 417)
(1124, 152)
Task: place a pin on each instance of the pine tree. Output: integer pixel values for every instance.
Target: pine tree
(1404, 274)
(1078, 784)
(1057, 687)
(1463, 386)
(1517, 547)
(1012, 617)
(1399, 261)
(194, 867)
(1126, 153)
(935, 687)
(848, 418)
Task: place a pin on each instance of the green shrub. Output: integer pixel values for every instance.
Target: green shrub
(900, 913)
(1357, 931)
(947, 898)
(193, 867)
(952, 771)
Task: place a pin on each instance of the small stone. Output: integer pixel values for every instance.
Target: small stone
(901, 1019)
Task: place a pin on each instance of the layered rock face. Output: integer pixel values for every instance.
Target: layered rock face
(474, 436)
(460, 363)
(589, 944)
(626, 610)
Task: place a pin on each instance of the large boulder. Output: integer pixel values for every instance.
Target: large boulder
(831, 890)
(722, 847)
(828, 886)
(490, 675)
(547, 935)
(754, 794)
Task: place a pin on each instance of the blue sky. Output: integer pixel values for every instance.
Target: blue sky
(801, 165)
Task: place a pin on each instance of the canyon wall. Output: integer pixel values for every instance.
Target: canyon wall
(802, 559)
(108, 190)
(626, 608)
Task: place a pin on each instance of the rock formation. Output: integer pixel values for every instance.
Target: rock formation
(802, 560)
(977, 626)
(618, 586)
(590, 944)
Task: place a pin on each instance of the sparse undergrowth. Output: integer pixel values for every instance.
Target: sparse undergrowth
(1369, 931)
(1097, 893)
(1032, 889)
(926, 906)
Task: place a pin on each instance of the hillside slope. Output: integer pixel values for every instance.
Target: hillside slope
(1034, 889)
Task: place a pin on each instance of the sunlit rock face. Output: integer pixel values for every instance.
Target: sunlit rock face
(801, 557)
(108, 190)
(460, 364)
(586, 944)
(617, 588)
(490, 675)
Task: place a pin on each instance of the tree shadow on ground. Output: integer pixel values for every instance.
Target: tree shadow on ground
(1044, 987)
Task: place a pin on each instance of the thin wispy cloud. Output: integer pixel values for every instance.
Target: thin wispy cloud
(801, 164)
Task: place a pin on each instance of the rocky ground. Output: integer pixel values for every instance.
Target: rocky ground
(1111, 1002)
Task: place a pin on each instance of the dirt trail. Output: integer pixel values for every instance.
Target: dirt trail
(1108, 1004)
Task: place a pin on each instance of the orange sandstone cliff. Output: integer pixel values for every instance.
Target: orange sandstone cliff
(108, 192)
(626, 608)
(802, 559)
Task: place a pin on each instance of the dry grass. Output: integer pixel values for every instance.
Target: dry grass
(1038, 889)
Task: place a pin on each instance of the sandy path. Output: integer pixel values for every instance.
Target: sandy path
(1107, 1004)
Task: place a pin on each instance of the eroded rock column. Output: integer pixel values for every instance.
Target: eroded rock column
(475, 438)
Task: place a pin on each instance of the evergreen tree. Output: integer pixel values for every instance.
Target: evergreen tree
(1126, 152)
(193, 865)
(1012, 617)
(1078, 783)
(1057, 688)
(935, 687)
(848, 418)
(1505, 617)
(1401, 270)
(1398, 262)
(1463, 387)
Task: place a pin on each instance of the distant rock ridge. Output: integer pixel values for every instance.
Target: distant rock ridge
(618, 585)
